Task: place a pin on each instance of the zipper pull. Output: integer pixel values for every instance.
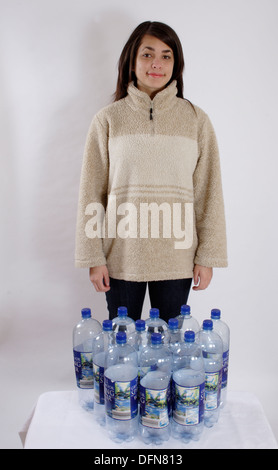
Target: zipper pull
(151, 113)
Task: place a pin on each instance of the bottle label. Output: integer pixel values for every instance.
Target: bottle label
(121, 399)
(225, 368)
(83, 363)
(188, 404)
(212, 390)
(155, 407)
(98, 384)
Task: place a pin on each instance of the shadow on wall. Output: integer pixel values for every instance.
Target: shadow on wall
(58, 181)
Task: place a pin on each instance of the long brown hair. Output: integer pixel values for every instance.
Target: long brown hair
(127, 59)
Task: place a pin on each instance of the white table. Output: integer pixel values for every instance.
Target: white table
(58, 422)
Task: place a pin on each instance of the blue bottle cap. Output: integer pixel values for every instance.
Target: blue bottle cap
(156, 338)
(122, 311)
(107, 325)
(185, 310)
(86, 313)
(121, 337)
(189, 336)
(140, 325)
(153, 367)
(207, 325)
(215, 313)
(173, 323)
(154, 313)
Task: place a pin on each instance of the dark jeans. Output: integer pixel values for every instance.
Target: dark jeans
(167, 296)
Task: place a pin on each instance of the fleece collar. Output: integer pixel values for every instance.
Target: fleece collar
(162, 101)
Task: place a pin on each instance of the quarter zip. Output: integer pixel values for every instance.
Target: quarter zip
(162, 101)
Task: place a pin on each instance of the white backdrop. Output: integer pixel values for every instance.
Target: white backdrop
(58, 68)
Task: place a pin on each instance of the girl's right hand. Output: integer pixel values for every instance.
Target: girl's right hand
(99, 277)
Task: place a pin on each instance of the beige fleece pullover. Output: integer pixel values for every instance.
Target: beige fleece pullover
(151, 173)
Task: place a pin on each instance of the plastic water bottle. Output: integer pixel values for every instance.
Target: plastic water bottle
(188, 390)
(212, 348)
(102, 342)
(120, 390)
(186, 321)
(223, 330)
(140, 341)
(140, 338)
(83, 335)
(155, 324)
(124, 323)
(155, 391)
(175, 334)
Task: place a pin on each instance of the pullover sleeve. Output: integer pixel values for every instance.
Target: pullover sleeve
(93, 189)
(208, 201)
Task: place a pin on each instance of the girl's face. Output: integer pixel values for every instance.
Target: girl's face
(154, 65)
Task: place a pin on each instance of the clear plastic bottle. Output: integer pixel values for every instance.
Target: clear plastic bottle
(140, 338)
(212, 348)
(175, 334)
(220, 327)
(120, 390)
(188, 390)
(187, 322)
(102, 342)
(155, 391)
(140, 341)
(83, 335)
(155, 324)
(124, 323)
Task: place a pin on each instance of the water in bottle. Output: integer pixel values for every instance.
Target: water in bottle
(175, 334)
(120, 390)
(83, 335)
(155, 391)
(212, 348)
(102, 342)
(186, 321)
(188, 390)
(155, 324)
(223, 330)
(124, 323)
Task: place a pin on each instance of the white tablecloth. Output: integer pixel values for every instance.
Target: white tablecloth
(58, 422)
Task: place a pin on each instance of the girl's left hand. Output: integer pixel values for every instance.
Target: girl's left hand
(201, 277)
